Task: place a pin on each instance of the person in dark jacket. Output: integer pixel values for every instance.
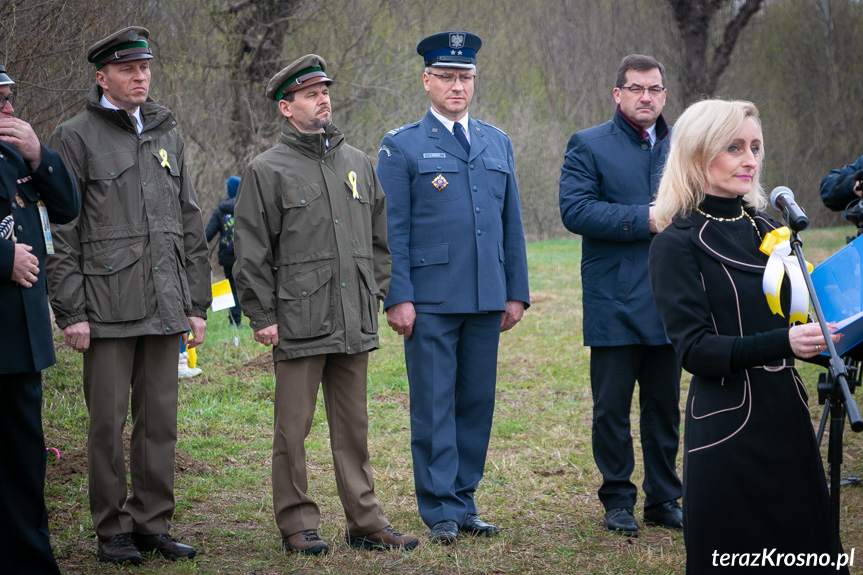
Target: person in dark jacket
(842, 186)
(754, 485)
(222, 223)
(35, 188)
(129, 280)
(607, 183)
(312, 268)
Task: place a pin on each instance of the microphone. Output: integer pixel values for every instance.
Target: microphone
(783, 199)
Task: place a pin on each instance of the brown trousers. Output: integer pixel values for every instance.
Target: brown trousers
(144, 367)
(343, 378)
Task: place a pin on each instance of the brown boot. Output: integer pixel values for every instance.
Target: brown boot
(119, 549)
(305, 542)
(386, 539)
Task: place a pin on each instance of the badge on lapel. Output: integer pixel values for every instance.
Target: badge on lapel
(439, 182)
(18, 200)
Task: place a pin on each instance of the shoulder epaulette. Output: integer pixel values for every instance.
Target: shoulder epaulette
(402, 128)
(492, 126)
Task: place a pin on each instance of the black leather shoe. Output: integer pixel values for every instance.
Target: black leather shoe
(473, 525)
(118, 548)
(668, 515)
(166, 545)
(444, 532)
(621, 520)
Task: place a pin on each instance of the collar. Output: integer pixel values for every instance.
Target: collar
(449, 124)
(315, 145)
(659, 129)
(139, 124)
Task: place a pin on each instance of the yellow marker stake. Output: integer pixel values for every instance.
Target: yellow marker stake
(164, 154)
(352, 178)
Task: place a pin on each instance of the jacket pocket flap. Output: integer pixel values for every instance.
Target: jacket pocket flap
(110, 167)
(496, 164)
(429, 255)
(729, 396)
(110, 261)
(300, 196)
(305, 284)
(173, 167)
(368, 276)
(428, 166)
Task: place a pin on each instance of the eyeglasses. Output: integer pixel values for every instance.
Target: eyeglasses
(4, 99)
(637, 90)
(449, 79)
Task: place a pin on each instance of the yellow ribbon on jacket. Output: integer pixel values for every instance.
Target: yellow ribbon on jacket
(777, 245)
(352, 178)
(164, 154)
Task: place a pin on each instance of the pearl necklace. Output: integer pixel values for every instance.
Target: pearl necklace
(742, 215)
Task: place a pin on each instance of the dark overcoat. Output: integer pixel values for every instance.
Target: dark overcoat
(25, 325)
(608, 179)
(752, 474)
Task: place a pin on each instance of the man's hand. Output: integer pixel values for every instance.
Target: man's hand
(402, 317)
(651, 223)
(20, 134)
(199, 328)
(512, 315)
(25, 266)
(77, 336)
(268, 335)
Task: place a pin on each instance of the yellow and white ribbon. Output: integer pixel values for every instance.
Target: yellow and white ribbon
(352, 178)
(164, 155)
(777, 245)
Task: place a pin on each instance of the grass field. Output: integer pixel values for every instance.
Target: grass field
(540, 481)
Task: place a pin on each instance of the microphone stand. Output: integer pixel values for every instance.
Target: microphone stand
(842, 403)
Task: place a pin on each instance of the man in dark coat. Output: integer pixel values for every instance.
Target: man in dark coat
(222, 223)
(459, 279)
(35, 188)
(607, 183)
(843, 185)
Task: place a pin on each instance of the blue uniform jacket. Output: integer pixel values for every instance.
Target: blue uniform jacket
(454, 222)
(26, 342)
(608, 179)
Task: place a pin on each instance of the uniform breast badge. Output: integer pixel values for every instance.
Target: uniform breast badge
(439, 182)
(18, 200)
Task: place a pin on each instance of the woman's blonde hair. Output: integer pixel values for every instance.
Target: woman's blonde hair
(700, 135)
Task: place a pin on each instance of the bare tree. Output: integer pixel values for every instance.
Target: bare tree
(694, 17)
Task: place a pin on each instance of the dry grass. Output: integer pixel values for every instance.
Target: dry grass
(539, 485)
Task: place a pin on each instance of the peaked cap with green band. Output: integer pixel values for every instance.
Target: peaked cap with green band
(305, 71)
(122, 46)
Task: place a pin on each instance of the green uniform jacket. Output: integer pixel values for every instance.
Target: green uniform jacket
(134, 262)
(312, 256)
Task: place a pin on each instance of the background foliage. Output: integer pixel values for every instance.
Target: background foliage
(546, 69)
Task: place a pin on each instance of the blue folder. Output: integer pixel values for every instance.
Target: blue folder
(839, 285)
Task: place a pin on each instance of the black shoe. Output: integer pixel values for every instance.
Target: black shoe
(473, 525)
(166, 545)
(668, 515)
(444, 532)
(306, 542)
(118, 548)
(620, 520)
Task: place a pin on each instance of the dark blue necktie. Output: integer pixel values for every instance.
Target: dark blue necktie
(458, 132)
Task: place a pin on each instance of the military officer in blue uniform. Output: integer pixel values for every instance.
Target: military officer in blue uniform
(459, 278)
(35, 188)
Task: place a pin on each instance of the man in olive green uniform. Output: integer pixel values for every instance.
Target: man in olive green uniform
(129, 278)
(310, 237)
